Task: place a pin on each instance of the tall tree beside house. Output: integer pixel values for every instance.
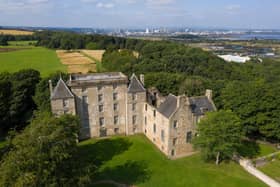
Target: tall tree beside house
(219, 136)
(42, 154)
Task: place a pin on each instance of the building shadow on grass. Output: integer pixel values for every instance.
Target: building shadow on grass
(91, 157)
(129, 173)
(249, 149)
(102, 151)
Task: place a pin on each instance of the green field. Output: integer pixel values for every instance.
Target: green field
(272, 169)
(22, 43)
(41, 59)
(134, 160)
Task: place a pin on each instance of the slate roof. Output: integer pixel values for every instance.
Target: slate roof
(135, 85)
(61, 91)
(200, 105)
(169, 106)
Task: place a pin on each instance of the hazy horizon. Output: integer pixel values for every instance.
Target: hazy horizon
(219, 14)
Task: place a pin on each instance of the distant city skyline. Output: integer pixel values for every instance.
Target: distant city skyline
(237, 14)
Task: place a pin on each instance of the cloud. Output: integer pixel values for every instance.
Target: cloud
(233, 7)
(105, 5)
(22, 6)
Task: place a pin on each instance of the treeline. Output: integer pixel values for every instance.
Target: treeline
(16, 103)
(21, 93)
(68, 40)
(4, 39)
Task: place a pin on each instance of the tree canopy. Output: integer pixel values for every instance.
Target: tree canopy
(219, 135)
(41, 154)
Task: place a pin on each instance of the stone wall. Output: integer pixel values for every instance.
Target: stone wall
(185, 124)
(135, 107)
(63, 106)
(91, 114)
(154, 124)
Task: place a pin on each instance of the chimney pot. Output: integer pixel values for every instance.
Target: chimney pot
(51, 86)
(209, 94)
(142, 79)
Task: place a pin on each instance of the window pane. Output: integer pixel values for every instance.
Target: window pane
(189, 137)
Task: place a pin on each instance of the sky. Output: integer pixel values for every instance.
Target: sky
(239, 14)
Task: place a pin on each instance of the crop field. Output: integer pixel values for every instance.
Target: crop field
(95, 54)
(15, 32)
(13, 59)
(81, 61)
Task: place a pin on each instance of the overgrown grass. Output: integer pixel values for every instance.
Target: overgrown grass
(41, 59)
(134, 160)
(272, 169)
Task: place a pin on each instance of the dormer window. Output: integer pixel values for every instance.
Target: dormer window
(204, 109)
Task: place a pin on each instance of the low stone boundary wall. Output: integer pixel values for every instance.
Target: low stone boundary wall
(263, 160)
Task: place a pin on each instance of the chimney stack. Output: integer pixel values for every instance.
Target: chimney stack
(142, 79)
(209, 94)
(50, 86)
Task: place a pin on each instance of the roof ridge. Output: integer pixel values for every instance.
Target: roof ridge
(142, 88)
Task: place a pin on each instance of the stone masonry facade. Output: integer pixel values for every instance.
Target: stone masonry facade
(111, 104)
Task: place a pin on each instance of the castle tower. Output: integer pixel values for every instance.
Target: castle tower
(62, 99)
(136, 98)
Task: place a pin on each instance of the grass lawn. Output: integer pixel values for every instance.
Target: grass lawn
(266, 149)
(272, 169)
(134, 160)
(41, 59)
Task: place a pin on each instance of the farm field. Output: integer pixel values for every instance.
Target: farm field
(135, 161)
(95, 54)
(81, 61)
(13, 59)
(15, 32)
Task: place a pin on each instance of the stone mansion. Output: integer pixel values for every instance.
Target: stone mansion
(111, 104)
